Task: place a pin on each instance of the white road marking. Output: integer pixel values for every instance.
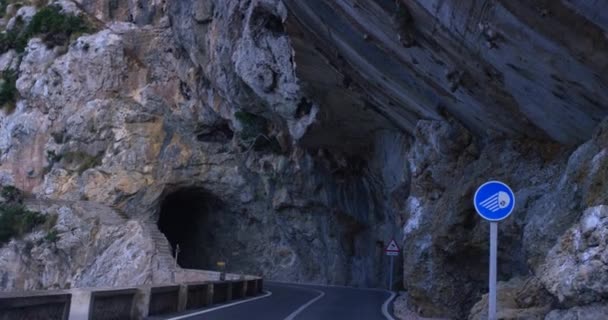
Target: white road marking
(385, 312)
(268, 294)
(384, 308)
(306, 305)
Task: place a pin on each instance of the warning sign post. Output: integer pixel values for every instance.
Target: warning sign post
(391, 250)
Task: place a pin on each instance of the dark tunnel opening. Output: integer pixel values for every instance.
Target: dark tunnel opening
(186, 219)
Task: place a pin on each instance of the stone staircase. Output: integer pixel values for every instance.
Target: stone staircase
(165, 265)
(164, 269)
(164, 252)
(115, 215)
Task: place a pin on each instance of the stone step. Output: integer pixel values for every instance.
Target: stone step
(164, 251)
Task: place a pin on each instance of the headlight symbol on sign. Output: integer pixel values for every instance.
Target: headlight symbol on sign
(497, 201)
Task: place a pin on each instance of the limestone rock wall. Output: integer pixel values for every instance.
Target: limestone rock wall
(197, 96)
(96, 247)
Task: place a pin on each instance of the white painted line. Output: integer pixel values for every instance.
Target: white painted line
(384, 309)
(306, 305)
(385, 312)
(268, 294)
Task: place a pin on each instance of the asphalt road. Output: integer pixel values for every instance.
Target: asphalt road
(302, 302)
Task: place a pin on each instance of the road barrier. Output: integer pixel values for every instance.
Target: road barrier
(33, 307)
(112, 304)
(124, 303)
(199, 295)
(222, 291)
(251, 288)
(164, 300)
(238, 289)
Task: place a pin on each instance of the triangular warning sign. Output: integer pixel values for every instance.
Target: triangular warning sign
(392, 246)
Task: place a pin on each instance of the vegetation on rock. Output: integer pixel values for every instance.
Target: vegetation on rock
(16, 220)
(252, 126)
(11, 194)
(254, 132)
(3, 5)
(14, 38)
(52, 236)
(54, 27)
(8, 89)
(82, 159)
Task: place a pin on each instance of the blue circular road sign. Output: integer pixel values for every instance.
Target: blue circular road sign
(494, 201)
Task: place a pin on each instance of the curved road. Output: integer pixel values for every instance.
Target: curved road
(302, 302)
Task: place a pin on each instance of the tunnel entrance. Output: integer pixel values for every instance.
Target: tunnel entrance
(189, 218)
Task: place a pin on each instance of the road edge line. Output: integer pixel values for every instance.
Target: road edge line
(385, 312)
(306, 305)
(268, 294)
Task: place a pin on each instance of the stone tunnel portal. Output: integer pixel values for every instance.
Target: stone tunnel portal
(189, 217)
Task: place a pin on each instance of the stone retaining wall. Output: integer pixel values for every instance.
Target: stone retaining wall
(124, 303)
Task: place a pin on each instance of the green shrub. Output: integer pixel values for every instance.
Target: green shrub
(52, 236)
(14, 38)
(16, 220)
(49, 23)
(11, 194)
(8, 90)
(3, 4)
(55, 27)
(254, 133)
(252, 126)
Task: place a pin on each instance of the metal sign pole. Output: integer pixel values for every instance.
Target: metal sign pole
(493, 254)
(390, 276)
(391, 250)
(493, 201)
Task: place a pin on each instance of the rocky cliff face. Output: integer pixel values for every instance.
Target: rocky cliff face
(167, 119)
(294, 138)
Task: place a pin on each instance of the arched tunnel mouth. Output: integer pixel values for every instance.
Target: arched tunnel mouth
(189, 219)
